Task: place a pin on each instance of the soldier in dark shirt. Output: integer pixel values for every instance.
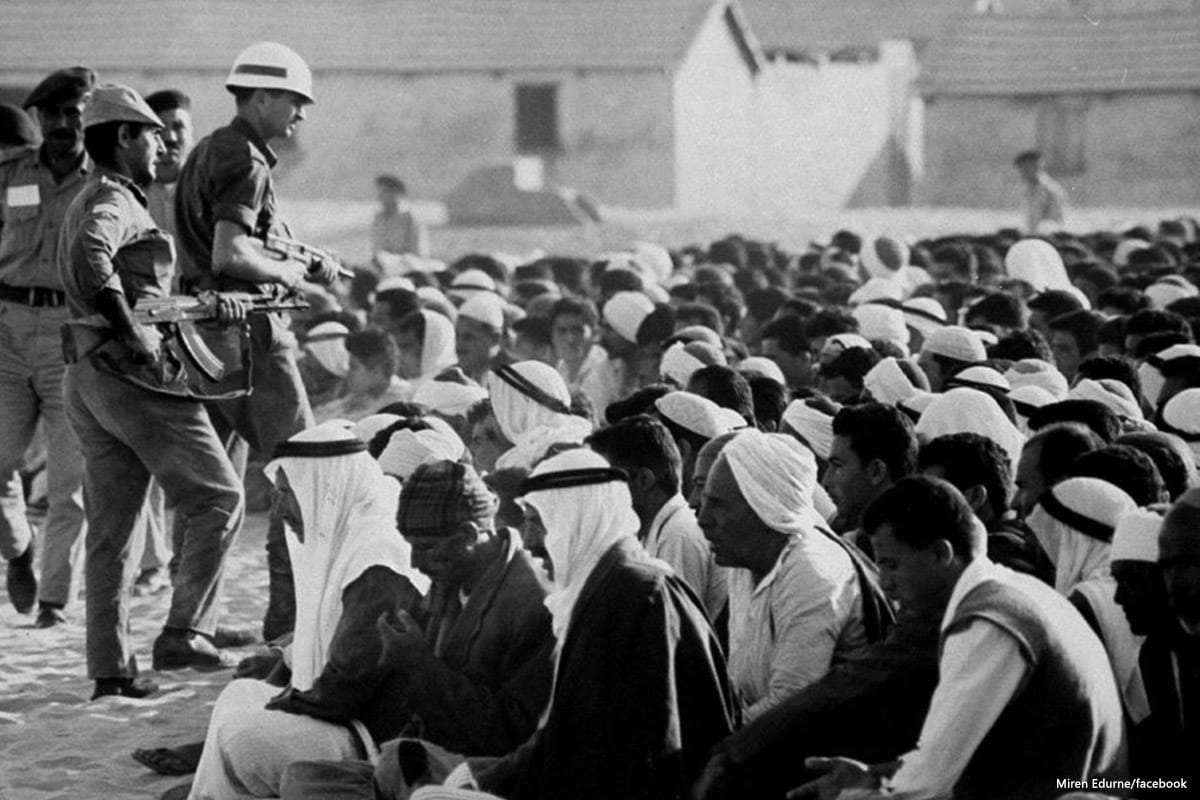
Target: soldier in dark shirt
(224, 207)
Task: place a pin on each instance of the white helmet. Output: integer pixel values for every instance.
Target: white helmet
(270, 65)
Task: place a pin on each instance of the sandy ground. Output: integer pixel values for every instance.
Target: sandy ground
(54, 743)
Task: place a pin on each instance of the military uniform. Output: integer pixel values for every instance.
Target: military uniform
(32, 309)
(227, 178)
(128, 433)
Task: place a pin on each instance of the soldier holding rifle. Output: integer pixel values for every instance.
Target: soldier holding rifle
(225, 211)
(126, 399)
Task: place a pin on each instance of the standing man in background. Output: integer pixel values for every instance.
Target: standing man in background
(174, 108)
(395, 230)
(36, 186)
(1044, 197)
(224, 207)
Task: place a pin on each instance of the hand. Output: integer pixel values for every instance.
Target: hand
(323, 271)
(840, 774)
(146, 343)
(714, 780)
(258, 665)
(230, 310)
(403, 640)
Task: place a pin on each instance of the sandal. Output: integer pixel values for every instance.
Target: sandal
(180, 760)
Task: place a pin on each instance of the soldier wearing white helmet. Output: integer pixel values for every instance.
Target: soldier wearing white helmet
(225, 206)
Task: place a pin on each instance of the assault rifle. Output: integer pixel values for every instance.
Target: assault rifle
(182, 343)
(306, 254)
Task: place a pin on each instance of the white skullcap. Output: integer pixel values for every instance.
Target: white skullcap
(1181, 416)
(394, 282)
(409, 449)
(884, 257)
(470, 281)
(840, 342)
(484, 307)
(877, 289)
(678, 364)
(764, 367)
(1036, 372)
(447, 397)
(368, 426)
(887, 383)
(626, 311)
(924, 314)
(1136, 536)
(1028, 399)
(776, 475)
(1110, 392)
(654, 260)
(1125, 248)
(1150, 372)
(877, 321)
(812, 425)
(699, 414)
(957, 342)
(1036, 262)
(1166, 291)
(980, 377)
(326, 344)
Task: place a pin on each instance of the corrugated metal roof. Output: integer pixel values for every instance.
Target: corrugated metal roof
(998, 55)
(367, 35)
(824, 25)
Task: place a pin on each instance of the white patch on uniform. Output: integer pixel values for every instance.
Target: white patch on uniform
(18, 196)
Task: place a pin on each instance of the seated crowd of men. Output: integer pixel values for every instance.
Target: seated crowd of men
(913, 521)
(883, 518)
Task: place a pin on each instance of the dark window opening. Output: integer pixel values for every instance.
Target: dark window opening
(537, 119)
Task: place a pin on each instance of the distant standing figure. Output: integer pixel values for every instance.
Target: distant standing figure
(1044, 197)
(395, 230)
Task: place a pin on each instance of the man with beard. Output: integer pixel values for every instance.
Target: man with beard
(36, 186)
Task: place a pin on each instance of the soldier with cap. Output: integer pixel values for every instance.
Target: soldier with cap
(111, 255)
(224, 205)
(36, 186)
